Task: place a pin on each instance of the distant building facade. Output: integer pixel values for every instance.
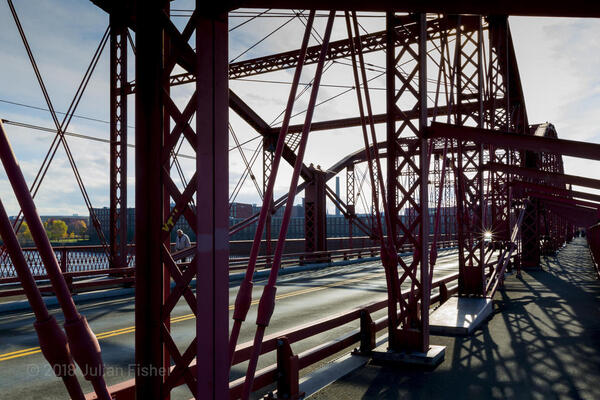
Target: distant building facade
(337, 226)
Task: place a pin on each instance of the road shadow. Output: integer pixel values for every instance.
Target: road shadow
(542, 342)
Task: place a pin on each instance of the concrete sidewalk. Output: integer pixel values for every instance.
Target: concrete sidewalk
(543, 342)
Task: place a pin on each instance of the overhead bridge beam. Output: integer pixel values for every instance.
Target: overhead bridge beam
(261, 126)
(564, 200)
(556, 190)
(548, 177)
(536, 144)
(580, 216)
(371, 42)
(382, 118)
(536, 8)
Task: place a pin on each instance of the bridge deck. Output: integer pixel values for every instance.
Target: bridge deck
(543, 342)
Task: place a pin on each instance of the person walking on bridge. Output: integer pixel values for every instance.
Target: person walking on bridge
(182, 242)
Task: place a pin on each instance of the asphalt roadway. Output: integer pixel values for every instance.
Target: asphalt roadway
(301, 298)
(542, 343)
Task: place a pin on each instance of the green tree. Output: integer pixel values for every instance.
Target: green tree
(24, 234)
(56, 229)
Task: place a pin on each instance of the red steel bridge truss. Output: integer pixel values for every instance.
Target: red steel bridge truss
(457, 137)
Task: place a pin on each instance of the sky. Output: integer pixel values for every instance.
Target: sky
(558, 62)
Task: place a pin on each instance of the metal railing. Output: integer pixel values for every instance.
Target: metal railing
(285, 373)
(70, 259)
(593, 239)
(90, 263)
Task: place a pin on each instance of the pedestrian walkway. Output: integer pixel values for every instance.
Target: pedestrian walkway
(542, 342)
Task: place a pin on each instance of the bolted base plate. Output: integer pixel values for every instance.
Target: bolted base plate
(460, 315)
(431, 359)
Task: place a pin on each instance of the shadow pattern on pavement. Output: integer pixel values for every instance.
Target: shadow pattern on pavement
(542, 342)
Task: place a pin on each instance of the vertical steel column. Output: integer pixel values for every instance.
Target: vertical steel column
(530, 257)
(166, 204)
(530, 233)
(392, 179)
(149, 272)
(212, 291)
(315, 213)
(118, 141)
(498, 118)
(391, 134)
(423, 252)
(469, 83)
(481, 226)
(268, 154)
(350, 200)
(411, 330)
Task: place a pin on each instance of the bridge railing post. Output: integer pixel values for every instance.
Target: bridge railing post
(64, 262)
(288, 371)
(443, 293)
(367, 333)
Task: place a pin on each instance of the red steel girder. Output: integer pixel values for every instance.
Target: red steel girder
(409, 331)
(381, 118)
(562, 200)
(537, 144)
(537, 8)
(148, 203)
(371, 42)
(470, 186)
(256, 122)
(581, 216)
(550, 177)
(556, 190)
(338, 49)
(118, 142)
(82, 341)
(212, 276)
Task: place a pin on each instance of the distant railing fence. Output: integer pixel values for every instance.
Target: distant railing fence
(92, 263)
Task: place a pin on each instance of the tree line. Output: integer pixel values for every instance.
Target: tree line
(57, 230)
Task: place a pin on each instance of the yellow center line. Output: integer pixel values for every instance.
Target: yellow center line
(130, 329)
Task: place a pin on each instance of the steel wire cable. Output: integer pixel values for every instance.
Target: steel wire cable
(251, 19)
(66, 120)
(248, 167)
(244, 175)
(263, 39)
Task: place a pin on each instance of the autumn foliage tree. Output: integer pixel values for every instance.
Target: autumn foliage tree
(77, 228)
(24, 234)
(56, 229)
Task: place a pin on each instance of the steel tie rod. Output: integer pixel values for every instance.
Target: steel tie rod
(266, 304)
(82, 341)
(244, 296)
(52, 339)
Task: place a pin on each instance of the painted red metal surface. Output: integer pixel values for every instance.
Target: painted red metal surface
(477, 90)
(52, 339)
(82, 341)
(538, 144)
(593, 238)
(267, 376)
(118, 141)
(243, 299)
